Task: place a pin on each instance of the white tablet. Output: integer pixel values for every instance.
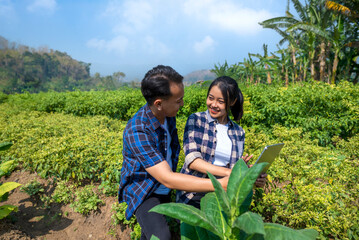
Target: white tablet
(269, 153)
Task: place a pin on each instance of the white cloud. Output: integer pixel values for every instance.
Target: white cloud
(226, 15)
(42, 5)
(204, 45)
(117, 44)
(129, 16)
(154, 46)
(6, 9)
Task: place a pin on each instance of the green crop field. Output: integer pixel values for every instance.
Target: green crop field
(77, 137)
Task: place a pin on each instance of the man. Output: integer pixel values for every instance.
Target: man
(150, 153)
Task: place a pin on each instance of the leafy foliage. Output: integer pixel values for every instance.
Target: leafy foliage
(118, 217)
(5, 188)
(311, 184)
(320, 110)
(32, 188)
(66, 147)
(63, 193)
(86, 200)
(226, 214)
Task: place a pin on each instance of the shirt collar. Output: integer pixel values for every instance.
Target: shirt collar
(211, 119)
(153, 120)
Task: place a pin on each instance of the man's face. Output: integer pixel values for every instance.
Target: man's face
(173, 104)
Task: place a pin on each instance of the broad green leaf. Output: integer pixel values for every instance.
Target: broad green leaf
(6, 167)
(185, 213)
(212, 209)
(189, 232)
(278, 232)
(153, 237)
(238, 171)
(5, 145)
(246, 203)
(5, 210)
(7, 187)
(241, 184)
(221, 195)
(4, 197)
(250, 222)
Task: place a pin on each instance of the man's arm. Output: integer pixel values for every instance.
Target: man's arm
(173, 180)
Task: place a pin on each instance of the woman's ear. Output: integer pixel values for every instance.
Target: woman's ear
(158, 104)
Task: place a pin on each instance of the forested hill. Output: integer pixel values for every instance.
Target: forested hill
(201, 75)
(24, 68)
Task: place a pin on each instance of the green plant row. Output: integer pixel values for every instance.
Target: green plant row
(120, 104)
(323, 111)
(310, 186)
(64, 146)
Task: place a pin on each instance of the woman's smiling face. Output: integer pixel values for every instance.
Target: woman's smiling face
(216, 105)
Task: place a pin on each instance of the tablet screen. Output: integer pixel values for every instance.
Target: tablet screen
(269, 153)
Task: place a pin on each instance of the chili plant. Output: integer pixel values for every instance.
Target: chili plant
(226, 215)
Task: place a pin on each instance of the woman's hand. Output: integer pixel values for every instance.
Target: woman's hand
(246, 158)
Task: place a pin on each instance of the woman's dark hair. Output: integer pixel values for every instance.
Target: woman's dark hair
(156, 83)
(231, 93)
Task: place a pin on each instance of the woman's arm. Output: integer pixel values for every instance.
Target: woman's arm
(202, 166)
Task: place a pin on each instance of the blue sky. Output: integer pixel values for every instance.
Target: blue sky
(132, 36)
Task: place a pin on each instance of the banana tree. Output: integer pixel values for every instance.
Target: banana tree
(338, 37)
(266, 61)
(226, 215)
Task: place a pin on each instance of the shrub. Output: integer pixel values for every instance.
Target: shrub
(86, 200)
(33, 188)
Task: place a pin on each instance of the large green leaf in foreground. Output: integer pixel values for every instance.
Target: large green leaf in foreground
(233, 221)
(185, 213)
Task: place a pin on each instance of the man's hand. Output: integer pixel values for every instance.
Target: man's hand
(261, 180)
(224, 182)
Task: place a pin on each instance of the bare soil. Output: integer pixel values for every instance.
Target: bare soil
(35, 221)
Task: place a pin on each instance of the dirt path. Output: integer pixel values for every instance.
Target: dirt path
(34, 221)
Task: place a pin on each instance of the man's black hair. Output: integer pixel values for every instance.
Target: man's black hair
(156, 83)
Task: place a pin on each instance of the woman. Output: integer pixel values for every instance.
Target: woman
(212, 142)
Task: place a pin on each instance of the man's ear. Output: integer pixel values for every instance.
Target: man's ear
(158, 104)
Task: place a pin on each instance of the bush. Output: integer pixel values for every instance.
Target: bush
(64, 146)
(321, 110)
(86, 200)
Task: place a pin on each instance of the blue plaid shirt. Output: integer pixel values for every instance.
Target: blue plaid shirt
(144, 145)
(199, 141)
